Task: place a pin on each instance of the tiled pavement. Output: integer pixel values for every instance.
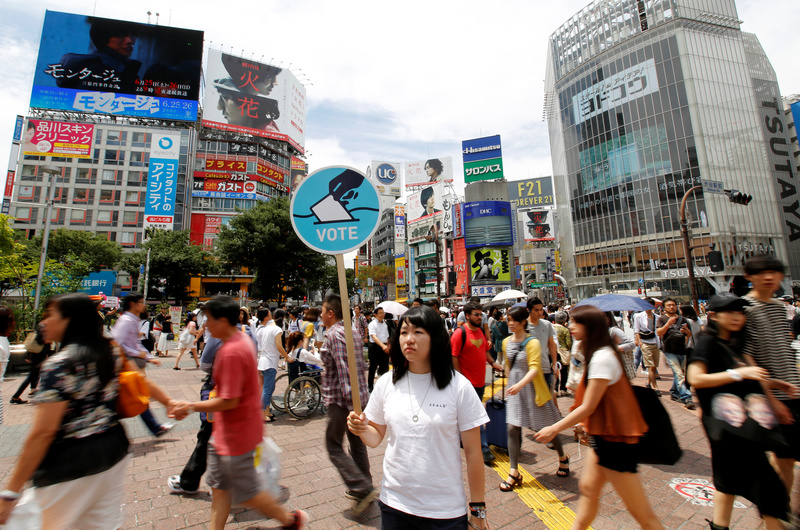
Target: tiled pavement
(314, 485)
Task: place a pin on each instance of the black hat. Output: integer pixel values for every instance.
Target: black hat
(727, 302)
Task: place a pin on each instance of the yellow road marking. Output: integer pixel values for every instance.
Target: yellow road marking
(546, 506)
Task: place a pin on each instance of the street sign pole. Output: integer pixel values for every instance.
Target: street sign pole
(335, 210)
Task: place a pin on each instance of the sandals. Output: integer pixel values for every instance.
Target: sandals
(563, 472)
(514, 482)
(270, 418)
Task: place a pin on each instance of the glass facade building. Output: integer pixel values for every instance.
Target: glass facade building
(645, 101)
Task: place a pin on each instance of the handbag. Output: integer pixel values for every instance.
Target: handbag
(170, 336)
(659, 445)
(133, 394)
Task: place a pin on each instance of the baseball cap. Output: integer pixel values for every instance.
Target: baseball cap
(726, 302)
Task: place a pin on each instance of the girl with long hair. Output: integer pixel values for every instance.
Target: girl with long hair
(188, 340)
(424, 409)
(607, 406)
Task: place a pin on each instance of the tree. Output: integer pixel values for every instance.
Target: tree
(264, 240)
(97, 251)
(174, 258)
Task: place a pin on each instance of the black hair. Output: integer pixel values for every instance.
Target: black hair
(440, 357)
(735, 339)
(294, 312)
(649, 300)
(334, 303)
(103, 29)
(597, 336)
(762, 263)
(470, 307)
(687, 310)
(190, 317)
(534, 301)
(612, 320)
(6, 320)
(436, 165)
(426, 194)
(279, 315)
(518, 314)
(130, 299)
(85, 333)
(665, 300)
(223, 307)
(419, 301)
(433, 302)
(379, 309)
(262, 313)
(475, 299)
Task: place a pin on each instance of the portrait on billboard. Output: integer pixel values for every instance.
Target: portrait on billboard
(253, 98)
(425, 202)
(539, 225)
(90, 64)
(431, 171)
(489, 264)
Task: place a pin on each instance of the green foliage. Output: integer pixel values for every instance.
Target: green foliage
(173, 258)
(264, 240)
(97, 251)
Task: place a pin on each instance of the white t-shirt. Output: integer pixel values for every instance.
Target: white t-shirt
(422, 472)
(268, 354)
(380, 330)
(605, 365)
(201, 323)
(305, 356)
(5, 350)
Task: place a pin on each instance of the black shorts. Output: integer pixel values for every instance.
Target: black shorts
(392, 519)
(791, 432)
(616, 456)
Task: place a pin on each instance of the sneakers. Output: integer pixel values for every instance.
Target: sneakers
(300, 520)
(165, 428)
(17, 401)
(675, 398)
(488, 457)
(174, 485)
(351, 494)
(690, 405)
(362, 500)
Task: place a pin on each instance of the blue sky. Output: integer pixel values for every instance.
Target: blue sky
(385, 81)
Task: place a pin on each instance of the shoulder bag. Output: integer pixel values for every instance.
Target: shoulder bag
(659, 445)
(133, 394)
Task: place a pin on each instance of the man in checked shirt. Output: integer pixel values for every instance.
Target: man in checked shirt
(337, 396)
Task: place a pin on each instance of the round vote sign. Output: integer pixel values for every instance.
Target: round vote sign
(335, 210)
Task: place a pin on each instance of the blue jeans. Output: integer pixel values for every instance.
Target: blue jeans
(150, 421)
(269, 387)
(679, 389)
(484, 442)
(637, 359)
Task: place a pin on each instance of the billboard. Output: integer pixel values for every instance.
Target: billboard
(425, 202)
(489, 264)
(483, 158)
(399, 225)
(423, 229)
(429, 171)
(99, 282)
(58, 138)
(400, 269)
(532, 193)
(539, 225)
(387, 177)
(487, 223)
(104, 66)
(162, 181)
(254, 98)
(460, 266)
(299, 171)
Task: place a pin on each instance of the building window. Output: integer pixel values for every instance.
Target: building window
(109, 175)
(128, 238)
(104, 216)
(134, 178)
(139, 158)
(79, 195)
(78, 216)
(23, 213)
(106, 195)
(86, 176)
(115, 157)
(130, 218)
(131, 197)
(139, 139)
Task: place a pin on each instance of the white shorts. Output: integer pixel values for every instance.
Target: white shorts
(93, 502)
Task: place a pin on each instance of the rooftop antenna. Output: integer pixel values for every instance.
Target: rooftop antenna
(157, 15)
(148, 14)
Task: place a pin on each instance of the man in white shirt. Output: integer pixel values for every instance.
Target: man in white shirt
(378, 347)
(644, 329)
(270, 350)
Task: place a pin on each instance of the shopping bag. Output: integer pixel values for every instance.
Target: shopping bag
(26, 515)
(268, 464)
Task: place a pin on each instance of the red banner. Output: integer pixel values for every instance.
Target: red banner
(460, 266)
(58, 138)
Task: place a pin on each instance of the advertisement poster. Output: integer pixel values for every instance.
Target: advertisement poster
(387, 177)
(423, 229)
(104, 66)
(460, 266)
(162, 181)
(254, 98)
(399, 225)
(425, 202)
(532, 193)
(483, 158)
(429, 171)
(299, 171)
(58, 138)
(489, 264)
(400, 269)
(539, 225)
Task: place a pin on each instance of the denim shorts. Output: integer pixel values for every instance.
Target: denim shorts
(269, 386)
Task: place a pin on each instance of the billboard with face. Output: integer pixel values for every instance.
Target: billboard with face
(425, 202)
(489, 264)
(539, 225)
(254, 98)
(104, 66)
(433, 170)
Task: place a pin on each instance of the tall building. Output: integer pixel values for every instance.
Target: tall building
(645, 101)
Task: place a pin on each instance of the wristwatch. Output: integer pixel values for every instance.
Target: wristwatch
(736, 376)
(8, 495)
(478, 509)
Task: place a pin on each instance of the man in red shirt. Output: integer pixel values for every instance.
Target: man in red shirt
(471, 355)
(237, 427)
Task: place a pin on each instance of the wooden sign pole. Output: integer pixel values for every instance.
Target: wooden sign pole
(348, 333)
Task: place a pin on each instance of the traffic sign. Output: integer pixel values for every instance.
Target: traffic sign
(335, 210)
(641, 281)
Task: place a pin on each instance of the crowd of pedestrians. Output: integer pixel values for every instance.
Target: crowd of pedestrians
(421, 376)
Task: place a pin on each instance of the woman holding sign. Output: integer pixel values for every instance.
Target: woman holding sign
(424, 407)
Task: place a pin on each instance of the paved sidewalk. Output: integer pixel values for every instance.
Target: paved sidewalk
(314, 485)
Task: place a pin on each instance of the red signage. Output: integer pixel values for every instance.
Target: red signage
(9, 184)
(58, 138)
(460, 266)
(227, 186)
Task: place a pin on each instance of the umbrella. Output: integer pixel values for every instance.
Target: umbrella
(393, 307)
(616, 302)
(508, 294)
(521, 304)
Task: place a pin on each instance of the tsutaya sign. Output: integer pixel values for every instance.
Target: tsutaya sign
(699, 272)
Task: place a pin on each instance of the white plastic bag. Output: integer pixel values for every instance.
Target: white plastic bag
(26, 515)
(268, 463)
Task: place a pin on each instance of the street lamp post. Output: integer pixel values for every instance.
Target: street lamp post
(687, 250)
(52, 171)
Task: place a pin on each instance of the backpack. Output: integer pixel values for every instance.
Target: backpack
(674, 341)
